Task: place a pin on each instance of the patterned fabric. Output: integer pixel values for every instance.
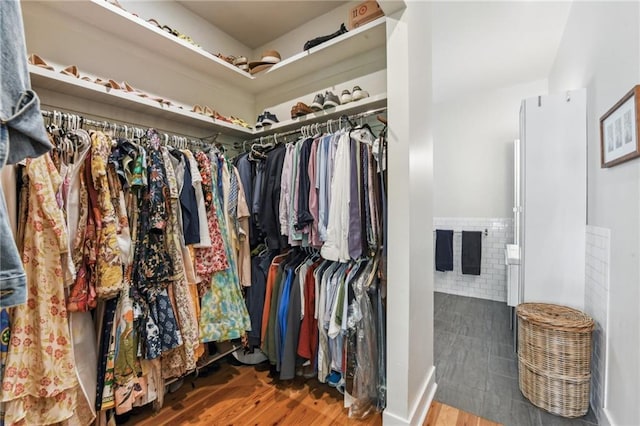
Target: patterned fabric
(210, 259)
(108, 265)
(154, 269)
(224, 314)
(40, 383)
(125, 357)
(5, 336)
(106, 314)
(184, 305)
(233, 199)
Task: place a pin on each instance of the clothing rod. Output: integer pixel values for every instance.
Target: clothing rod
(485, 232)
(326, 123)
(118, 125)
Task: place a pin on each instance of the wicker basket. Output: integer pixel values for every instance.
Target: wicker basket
(554, 357)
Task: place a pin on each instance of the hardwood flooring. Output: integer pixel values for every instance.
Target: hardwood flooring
(246, 395)
(444, 415)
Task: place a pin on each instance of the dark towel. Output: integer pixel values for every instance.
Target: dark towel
(444, 250)
(471, 252)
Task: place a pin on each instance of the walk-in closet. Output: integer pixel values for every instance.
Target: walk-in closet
(212, 223)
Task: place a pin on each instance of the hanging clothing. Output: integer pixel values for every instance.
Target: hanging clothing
(40, 384)
(223, 315)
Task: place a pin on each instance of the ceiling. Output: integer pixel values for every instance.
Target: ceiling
(245, 20)
(487, 45)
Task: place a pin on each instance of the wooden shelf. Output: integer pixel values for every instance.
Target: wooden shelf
(366, 104)
(133, 30)
(57, 82)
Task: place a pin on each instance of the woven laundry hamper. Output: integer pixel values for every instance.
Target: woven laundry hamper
(554, 357)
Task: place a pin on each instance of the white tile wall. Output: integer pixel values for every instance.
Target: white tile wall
(492, 281)
(596, 304)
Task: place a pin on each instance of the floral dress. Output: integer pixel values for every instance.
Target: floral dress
(109, 278)
(224, 314)
(153, 267)
(40, 384)
(210, 259)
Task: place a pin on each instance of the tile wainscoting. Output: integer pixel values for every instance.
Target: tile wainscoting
(596, 304)
(492, 281)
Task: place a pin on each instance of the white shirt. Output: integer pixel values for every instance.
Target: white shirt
(336, 247)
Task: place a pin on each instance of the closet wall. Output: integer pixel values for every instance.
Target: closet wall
(600, 50)
(411, 372)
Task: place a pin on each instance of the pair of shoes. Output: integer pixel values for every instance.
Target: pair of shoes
(319, 40)
(39, 62)
(222, 117)
(204, 110)
(358, 94)
(353, 96)
(240, 122)
(242, 63)
(300, 110)
(173, 32)
(328, 100)
(266, 119)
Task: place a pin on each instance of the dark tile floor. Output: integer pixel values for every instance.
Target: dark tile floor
(476, 367)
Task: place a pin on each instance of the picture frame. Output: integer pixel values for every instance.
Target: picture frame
(619, 131)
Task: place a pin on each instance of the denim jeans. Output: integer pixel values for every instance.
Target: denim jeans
(13, 280)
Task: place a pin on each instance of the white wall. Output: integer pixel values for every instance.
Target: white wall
(473, 148)
(179, 18)
(492, 282)
(410, 371)
(600, 50)
(596, 305)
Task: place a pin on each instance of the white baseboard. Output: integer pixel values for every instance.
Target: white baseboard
(605, 419)
(420, 408)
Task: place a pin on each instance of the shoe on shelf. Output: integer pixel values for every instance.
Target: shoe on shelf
(39, 62)
(318, 102)
(208, 112)
(269, 119)
(240, 122)
(300, 109)
(259, 121)
(345, 98)
(71, 71)
(357, 93)
(330, 100)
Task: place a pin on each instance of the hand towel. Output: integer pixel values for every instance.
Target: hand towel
(444, 250)
(471, 252)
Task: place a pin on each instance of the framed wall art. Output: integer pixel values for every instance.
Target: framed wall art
(619, 130)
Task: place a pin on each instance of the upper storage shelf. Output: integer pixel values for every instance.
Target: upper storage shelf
(353, 43)
(133, 30)
(78, 88)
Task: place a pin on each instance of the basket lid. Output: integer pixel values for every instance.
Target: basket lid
(555, 316)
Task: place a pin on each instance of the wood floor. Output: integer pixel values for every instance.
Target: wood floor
(444, 415)
(245, 395)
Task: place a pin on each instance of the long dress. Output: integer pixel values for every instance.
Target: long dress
(224, 314)
(40, 384)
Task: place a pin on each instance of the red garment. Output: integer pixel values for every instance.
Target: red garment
(271, 278)
(308, 341)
